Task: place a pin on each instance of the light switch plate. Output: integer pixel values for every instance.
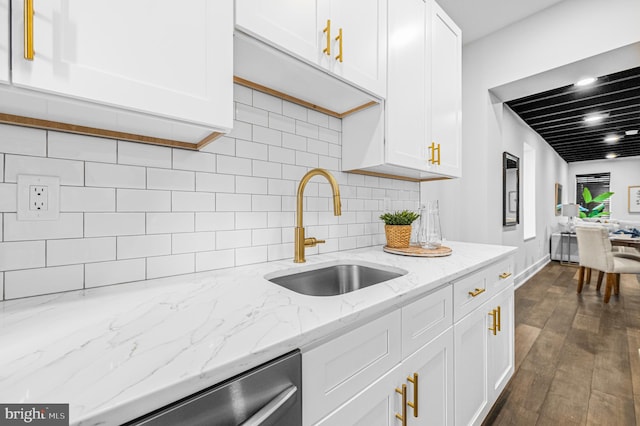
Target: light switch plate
(41, 191)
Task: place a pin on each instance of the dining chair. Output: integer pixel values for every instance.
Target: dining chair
(596, 253)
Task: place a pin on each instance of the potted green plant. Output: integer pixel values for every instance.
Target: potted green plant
(397, 227)
(597, 211)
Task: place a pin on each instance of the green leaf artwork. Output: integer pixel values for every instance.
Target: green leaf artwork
(598, 210)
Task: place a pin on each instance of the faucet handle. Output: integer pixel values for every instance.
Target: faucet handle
(312, 242)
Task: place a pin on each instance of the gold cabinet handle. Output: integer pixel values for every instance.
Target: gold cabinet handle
(499, 319)
(339, 39)
(504, 275)
(327, 30)
(438, 149)
(28, 30)
(477, 292)
(414, 404)
(494, 329)
(432, 150)
(403, 417)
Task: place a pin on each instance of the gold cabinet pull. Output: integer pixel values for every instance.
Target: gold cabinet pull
(494, 329)
(403, 417)
(504, 275)
(432, 150)
(327, 30)
(28, 30)
(438, 160)
(414, 404)
(477, 292)
(339, 39)
(499, 319)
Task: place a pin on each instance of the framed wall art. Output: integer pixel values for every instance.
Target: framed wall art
(634, 199)
(558, 202)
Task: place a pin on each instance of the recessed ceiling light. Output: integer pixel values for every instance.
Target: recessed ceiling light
(612, 138)
(594, 118)
(586, 81)
(610, 156)
(631, 132)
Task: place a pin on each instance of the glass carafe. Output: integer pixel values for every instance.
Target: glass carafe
(430, 233)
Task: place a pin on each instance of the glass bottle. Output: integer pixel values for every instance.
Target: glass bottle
(430, 233)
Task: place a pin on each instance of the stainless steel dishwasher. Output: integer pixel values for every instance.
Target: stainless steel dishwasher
(267, 395)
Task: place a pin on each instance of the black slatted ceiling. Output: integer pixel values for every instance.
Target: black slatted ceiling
(558, 116)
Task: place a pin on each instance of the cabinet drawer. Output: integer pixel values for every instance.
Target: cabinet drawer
(500, 275)
(337, 370)
(425, 319)
(469, 293)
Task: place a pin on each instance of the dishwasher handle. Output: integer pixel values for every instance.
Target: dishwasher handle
(264, 416)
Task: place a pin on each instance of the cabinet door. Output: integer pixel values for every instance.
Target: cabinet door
(471, 390)
(4, 41)
(364, 42)
(407, 88)
(501, 346)
(446, 91)
(293, 26)
(148, 55)
(433, 365)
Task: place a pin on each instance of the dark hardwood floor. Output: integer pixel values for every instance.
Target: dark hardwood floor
(577, 360)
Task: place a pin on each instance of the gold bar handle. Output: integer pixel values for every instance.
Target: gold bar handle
(327, 30)
(438, 149)
(432, 149)
(414, 404)
(339, 39)
(499, 319)
(494, 329)
(28, 30)
(403, 417)
(504, 275)
(477, 292)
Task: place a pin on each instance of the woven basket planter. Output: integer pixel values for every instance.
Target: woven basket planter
(398, 236)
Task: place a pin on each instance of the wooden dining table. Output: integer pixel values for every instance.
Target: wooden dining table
(624, 240)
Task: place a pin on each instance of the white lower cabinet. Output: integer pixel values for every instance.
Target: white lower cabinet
(451, 373)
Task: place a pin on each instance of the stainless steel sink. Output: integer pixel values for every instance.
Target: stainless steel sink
(336, 278)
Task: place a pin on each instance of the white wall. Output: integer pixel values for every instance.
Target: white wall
(132, 211)
(625, 172)
(569, 31)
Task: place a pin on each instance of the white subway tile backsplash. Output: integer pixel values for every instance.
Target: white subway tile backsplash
(22, 255)
(335, 151)
(262, 237)
(31, 282)
(282, 123)
(251, 185)
(246, 149)
(251, 220)
(174, 180)
(119, 271)
(112, 224)
(329, 135)
(317, 146)
(318, 118)
(292, 141)
(234, 166)
(233, 239)
(193, 242)
(242, 94)
(294, 110)
(169, 223)
(291, 172)
(80, 250)
(241, 130)
(279, 252)
(165, 266)
(211, 182)
(81, 147)
(266, 169)
(289, 203)
(252, 115)
(223, 145)
(138, 154)
(208, 260)
(115, 176)
(8, 200)
(1, 167)
(137, 200)
(215, 221)
(281, 187)
(70, 172)
(335, 124)
(282, 155)
(267, 136)
(85, 199)
(306, 129)
(69, 225)
(266, 203)
(194, 160)
(250, 255)
(23, 141)
(233, 202)
(268, 102)
(143, 246)
(192, 201)
(329, 163)
(306, 159)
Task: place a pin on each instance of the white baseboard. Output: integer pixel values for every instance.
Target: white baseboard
(524, 276)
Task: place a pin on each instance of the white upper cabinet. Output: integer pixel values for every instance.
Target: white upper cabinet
(147, 56)
(311, 30)
(4, 41)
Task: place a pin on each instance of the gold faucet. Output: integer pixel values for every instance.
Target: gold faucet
(300, 241)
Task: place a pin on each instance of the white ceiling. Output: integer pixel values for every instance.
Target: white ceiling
(478, 18)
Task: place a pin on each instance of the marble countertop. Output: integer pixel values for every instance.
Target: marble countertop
(115, 353)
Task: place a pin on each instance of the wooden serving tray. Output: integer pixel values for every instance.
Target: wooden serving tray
(419, 251)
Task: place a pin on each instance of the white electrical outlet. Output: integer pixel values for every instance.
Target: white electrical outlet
(38, 197)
